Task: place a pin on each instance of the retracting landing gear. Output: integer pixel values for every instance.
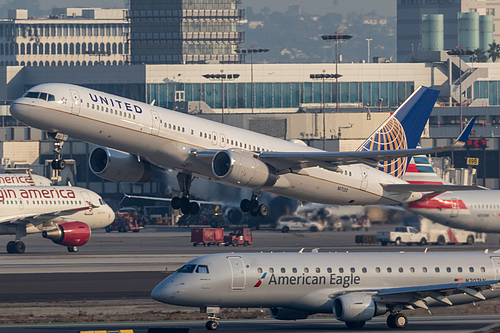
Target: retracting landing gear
(397, 320)
(184, 203)
(253, 206)
(58, 163)
(212, 323)
(17, 246)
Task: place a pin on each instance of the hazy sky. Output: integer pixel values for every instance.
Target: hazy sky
(382, 7)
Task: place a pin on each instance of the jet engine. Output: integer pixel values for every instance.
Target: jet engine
(69, 234)
(118, 166)
(352, 308)
(287, 314)
(242, 169)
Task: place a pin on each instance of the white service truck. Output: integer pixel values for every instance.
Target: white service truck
(430, 233)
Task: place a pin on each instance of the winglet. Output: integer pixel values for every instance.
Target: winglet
(462, 138)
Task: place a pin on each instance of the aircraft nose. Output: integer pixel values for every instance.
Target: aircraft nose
(165, 291)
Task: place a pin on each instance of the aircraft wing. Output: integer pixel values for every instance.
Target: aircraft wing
(415, 296)
(430, 187)
(330, 160)
(130, 196)
(35, 218)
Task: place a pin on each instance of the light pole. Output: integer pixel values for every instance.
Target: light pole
(251, 51)
(221, 77)
(322, 77)
(337, 38)
(368, 40)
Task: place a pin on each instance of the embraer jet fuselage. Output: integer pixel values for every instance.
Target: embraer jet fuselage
(234, 156)
(354, 286)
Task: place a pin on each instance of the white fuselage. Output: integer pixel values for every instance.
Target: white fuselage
(310, 281)
(65, 203)
(166, 137)
(477, 211)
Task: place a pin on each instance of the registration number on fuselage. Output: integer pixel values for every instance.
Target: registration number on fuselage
(342, 189)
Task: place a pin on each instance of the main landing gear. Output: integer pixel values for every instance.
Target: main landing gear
(397, 320)
(212, 323)
(252, 206)
(58, 163)
(18, 246)
(184, 203)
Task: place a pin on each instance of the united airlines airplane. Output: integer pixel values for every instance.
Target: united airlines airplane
(354, 286)
(142, 135)
(64, 214)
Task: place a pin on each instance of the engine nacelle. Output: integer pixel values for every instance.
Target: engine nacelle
(118, 166)
(352, 307)
(287, 314)
(242, 169)
(69, 234)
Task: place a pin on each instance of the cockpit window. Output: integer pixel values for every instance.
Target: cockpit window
(32, 94)
(186, 269)
(40, 95)
(202, 269)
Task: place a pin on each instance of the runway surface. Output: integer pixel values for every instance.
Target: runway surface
(128, 265)
(455, 324)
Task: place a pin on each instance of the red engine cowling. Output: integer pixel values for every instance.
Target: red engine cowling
(69, 234)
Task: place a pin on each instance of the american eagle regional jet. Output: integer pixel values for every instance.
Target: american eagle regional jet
(355, 287)
(142, 135)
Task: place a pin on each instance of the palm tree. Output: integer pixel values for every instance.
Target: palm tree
(479, 55)
(494, 51)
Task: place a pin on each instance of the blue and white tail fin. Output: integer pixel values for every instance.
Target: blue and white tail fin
(402, 130)
(420, 171)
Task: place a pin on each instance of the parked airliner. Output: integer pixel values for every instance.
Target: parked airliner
(23, 179)
(477, 211)
(142, 135)
(64, 214)
(354, 286)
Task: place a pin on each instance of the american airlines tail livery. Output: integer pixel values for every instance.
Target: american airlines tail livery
(64, 214)
(355, 287)
(142, 135)
(477, 211)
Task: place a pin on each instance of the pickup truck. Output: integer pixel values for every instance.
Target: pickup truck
(402, 235)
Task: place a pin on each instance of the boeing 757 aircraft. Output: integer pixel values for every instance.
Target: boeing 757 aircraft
(354, 286)
(145, 135)
(64, 214)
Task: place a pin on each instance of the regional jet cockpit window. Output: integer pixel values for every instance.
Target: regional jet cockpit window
(202, 269)
(40, 95)
(186, 269)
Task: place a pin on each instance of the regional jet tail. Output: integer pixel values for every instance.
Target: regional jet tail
(64, 214)
(355, 286)
(143, 136)
(477, 211)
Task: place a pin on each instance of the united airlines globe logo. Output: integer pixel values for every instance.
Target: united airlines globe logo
(390, 137)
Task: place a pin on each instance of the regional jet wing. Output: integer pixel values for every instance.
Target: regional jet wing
(415, 296)
(331, 160)
(436, 188)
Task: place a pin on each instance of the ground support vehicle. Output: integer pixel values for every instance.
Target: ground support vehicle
(297, 223)
(239, 236)
(402, 235)
(207, 236)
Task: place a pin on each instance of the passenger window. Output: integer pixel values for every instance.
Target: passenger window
(318, 270)
(424, 269)
(353, 270)
(412, 269)
(186, 269)
(329, 269)
(283, 270)
(448, 269)
(306, 270)
(364, 270)
(471, 269)
(436, 269)
(483, 269)
(400, 269)
(93, 106)
(459, 269)
(202, 269)
(259, 270)
(389, 270)
(271, 270)
(341, 270)
(294, 270)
